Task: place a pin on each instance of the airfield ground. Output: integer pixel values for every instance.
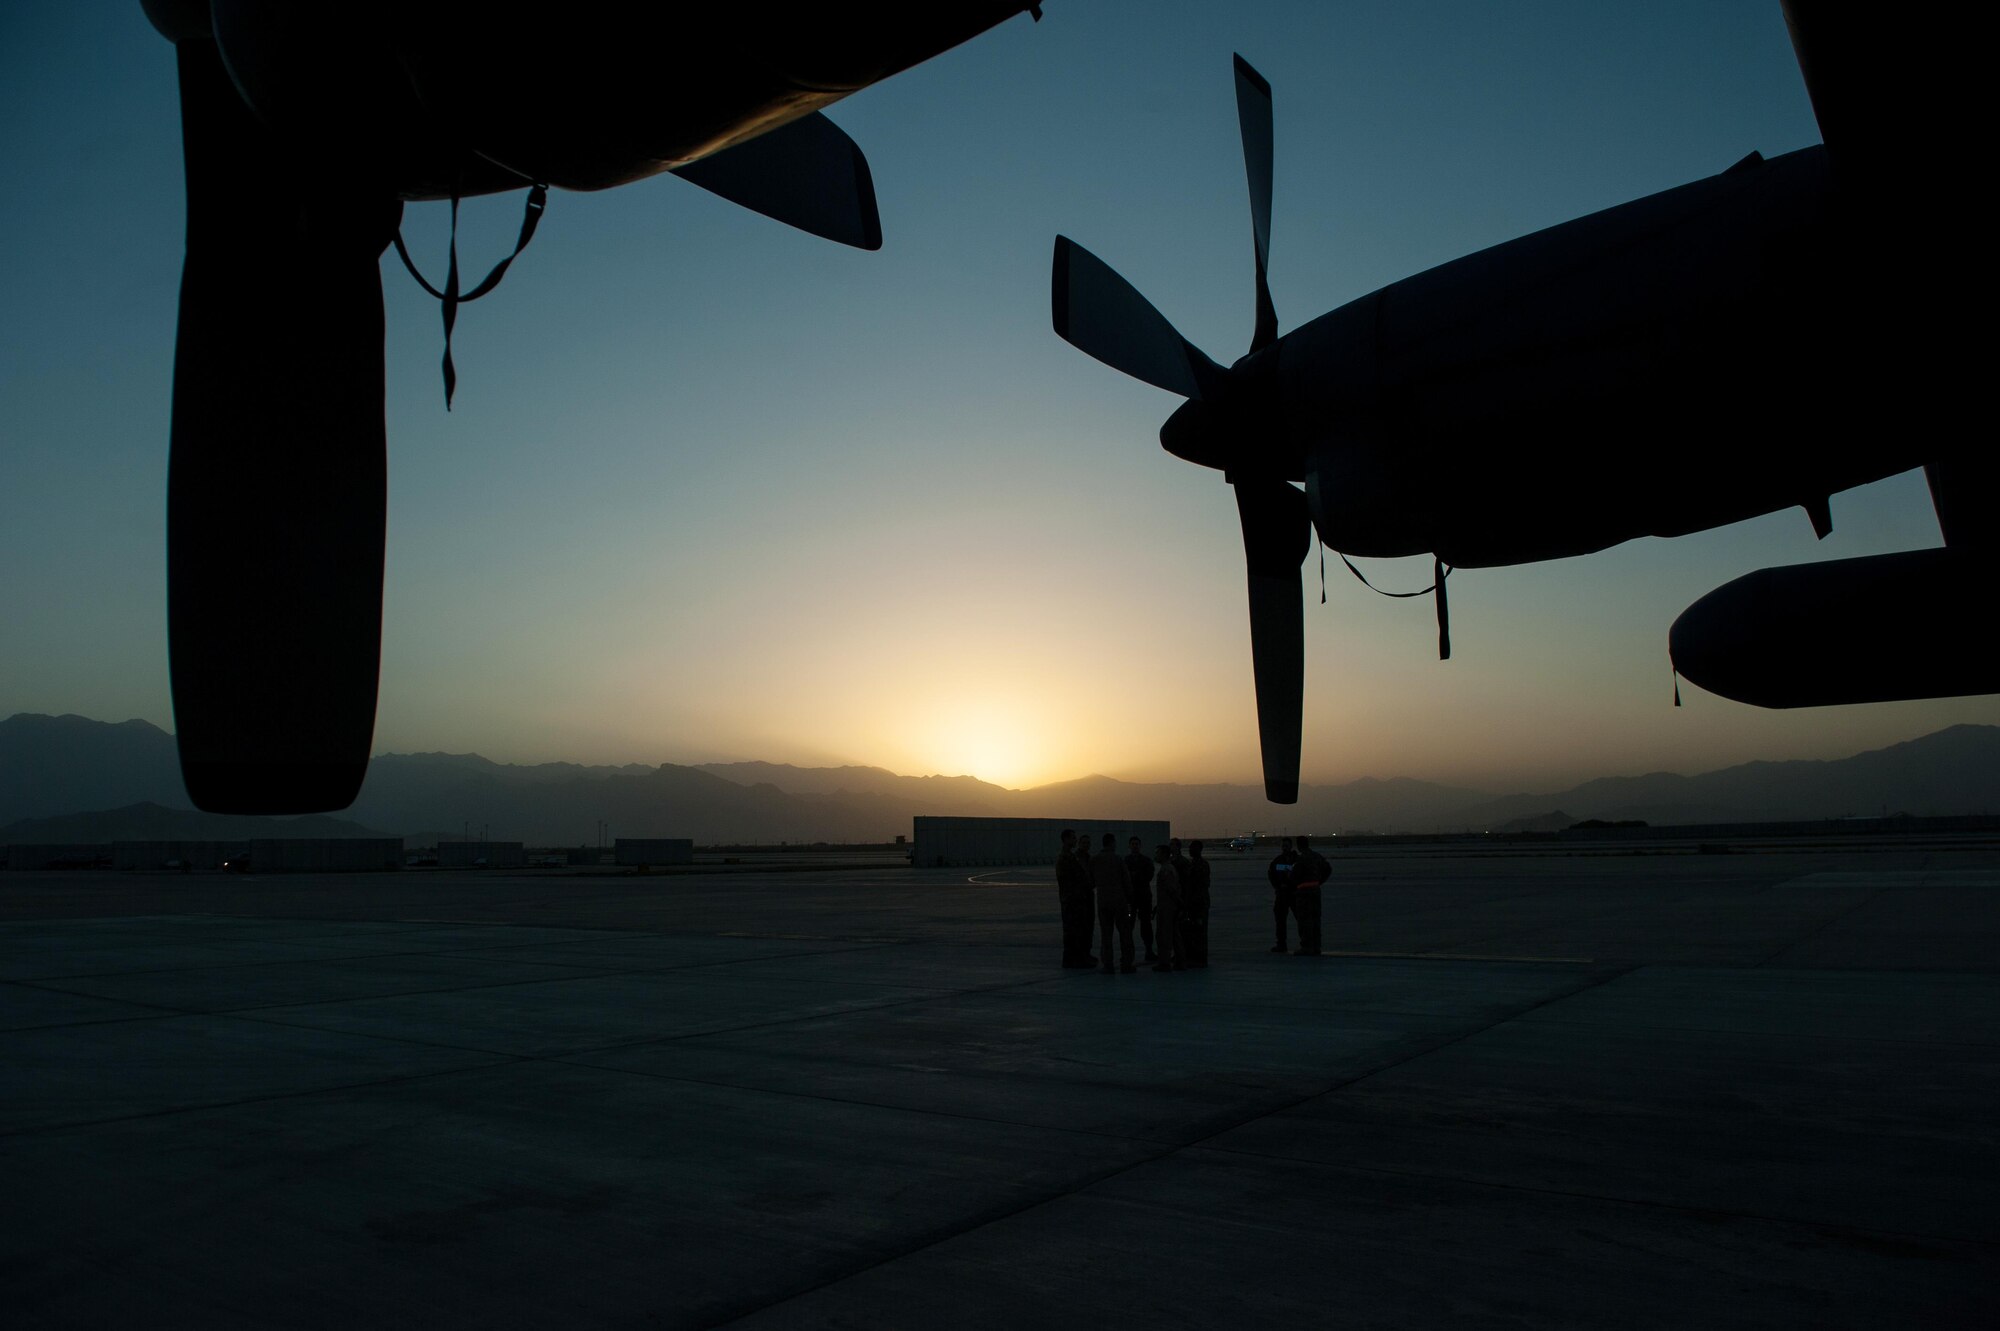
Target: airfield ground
(1540, 1089)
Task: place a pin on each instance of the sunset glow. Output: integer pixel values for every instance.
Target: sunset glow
(714, 489)
(995, 740)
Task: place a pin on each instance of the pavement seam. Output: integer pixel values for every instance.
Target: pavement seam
(1677, 1207)
(53, 1129)
(871, 1104)
(248, 1014)
(465, 952)
(169, 1010)
(499, 1058)
(246, 965)
(159, 1010)
(1820, 928)
(974, 1224)
(1841, 1038)
(698, 965)
(560, 1055)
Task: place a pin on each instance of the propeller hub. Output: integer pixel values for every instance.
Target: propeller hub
(1201, 433)
(1244, 435)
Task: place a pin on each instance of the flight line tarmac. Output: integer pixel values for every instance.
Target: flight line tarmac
(1532, 1090)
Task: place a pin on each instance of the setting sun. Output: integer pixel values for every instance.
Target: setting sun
(993, 739)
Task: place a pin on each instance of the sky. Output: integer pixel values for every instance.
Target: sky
(714, 489)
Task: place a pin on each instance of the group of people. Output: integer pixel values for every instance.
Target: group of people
(1104, 895)
(1296, 872)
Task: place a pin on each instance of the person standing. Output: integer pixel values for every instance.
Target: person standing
(1114, 903)
(1073, 895)
(1280, 874)
(1180, 867)
(1194, 908)
(1309, 870)
(1139, 873)
(1167, 910)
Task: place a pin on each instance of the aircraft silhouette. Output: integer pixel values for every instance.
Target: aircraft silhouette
(305, 129)
(1729, 348)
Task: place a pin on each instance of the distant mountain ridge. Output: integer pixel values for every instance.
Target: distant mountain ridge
(53, 766)
(967, 790)
(1950, 771)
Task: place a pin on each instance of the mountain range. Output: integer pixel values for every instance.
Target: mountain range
(67, 778)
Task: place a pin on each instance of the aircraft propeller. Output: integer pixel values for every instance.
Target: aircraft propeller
(305, 129)
(1101, 314)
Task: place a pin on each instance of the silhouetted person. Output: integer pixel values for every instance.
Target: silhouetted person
(1114, 903)
(1280, 874)
(1139, 872)
(1167, 910)
(1073, 895)
(1184, 869)
(1194, 908)
(1309, 870)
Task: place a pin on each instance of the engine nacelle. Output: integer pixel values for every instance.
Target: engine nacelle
(436, 97)
(1878, 629)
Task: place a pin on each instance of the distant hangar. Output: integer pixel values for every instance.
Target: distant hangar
(949, 842)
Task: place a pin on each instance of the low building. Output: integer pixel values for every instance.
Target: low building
(482, 854)
(655, 850)
(59, 855)
(326, 854)
(961, 841)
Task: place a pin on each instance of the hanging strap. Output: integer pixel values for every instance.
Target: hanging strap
(1439, 572)
(450, 297)
(1438, 575)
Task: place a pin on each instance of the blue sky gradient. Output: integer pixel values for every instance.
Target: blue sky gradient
(715, 489)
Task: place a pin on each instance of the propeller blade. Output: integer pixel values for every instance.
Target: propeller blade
(1277, 532)
(1103, 316)
(276, 481)
(806, 174)
(1253, 117)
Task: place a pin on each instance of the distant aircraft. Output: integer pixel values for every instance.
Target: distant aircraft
(305, 129)
(1753, 341)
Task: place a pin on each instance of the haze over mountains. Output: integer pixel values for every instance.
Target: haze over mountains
(125, 777)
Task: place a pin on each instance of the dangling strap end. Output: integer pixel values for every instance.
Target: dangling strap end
(452, 297)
